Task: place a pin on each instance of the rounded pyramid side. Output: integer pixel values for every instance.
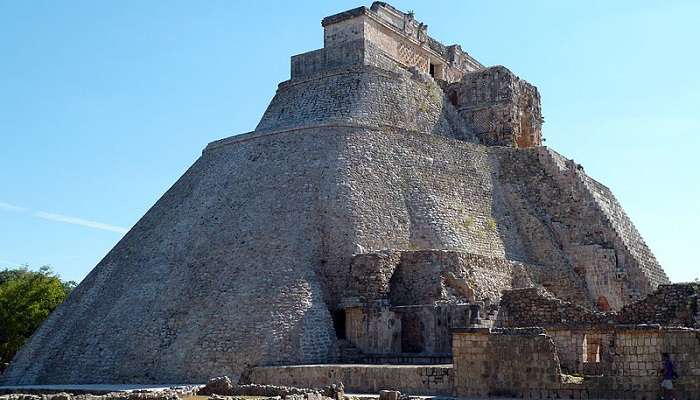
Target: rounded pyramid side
(221, 273)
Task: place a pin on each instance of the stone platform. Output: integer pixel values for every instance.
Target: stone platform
(361, 378)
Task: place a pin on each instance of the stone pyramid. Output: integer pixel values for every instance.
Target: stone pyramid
(389, 171)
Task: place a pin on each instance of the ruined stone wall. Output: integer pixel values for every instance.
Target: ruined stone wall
(419, 329)
(503, 363)
(369, 275)
(535, 307)
(584, 350)
(639, 265)
(413, 277)
(525, 364)
(638, 359)
(500, 108)
(566, 212)
(374, 330)
(569, 345)
(670, 305)
(426, 329)
(407, 301)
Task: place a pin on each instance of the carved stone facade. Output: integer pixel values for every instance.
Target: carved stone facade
(497, 106)
(398, 36)
(500, 108)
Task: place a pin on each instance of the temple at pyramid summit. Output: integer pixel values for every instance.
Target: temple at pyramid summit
(393, 222)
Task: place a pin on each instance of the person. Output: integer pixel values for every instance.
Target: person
(668, 374)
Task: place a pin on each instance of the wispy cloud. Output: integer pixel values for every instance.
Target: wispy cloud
(66, 219)
(78, 221)
(10, 207)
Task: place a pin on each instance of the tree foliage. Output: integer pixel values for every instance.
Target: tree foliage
(26, 299)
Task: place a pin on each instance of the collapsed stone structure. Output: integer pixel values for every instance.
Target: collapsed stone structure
(392, 191)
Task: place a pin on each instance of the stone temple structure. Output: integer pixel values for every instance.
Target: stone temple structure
(394, 205)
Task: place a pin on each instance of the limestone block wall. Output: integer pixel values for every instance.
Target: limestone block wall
(500, 108)
(569, 345)
(412, 192)
(369, 275)
(417, 329)
(259, 234)
(339, 30)
(364, 95)
(374, 330)
(669, 305)
(503, 363)
(584, 350)
(415, 277)
(310, 63)
(412, 379)
(637, 360)
(555, 201)
(342, 56)
(524, 363)
(221, 273)
(399, 38)
(426, 329)
(535, 307)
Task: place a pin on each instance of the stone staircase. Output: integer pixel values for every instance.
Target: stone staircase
(348, 353)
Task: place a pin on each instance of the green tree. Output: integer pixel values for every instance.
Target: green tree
(26, 299)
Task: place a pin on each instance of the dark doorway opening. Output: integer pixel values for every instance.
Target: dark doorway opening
(339, 324)
(603, 304)
(454, 98)
(411, 333)
(432, 70)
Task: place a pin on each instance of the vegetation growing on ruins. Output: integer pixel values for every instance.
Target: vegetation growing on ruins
(26, 299)
(468, 222)
(491, 224)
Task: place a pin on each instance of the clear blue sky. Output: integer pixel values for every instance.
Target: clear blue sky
(104, 104)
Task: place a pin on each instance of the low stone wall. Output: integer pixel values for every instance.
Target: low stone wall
(503, 363)
(525, 363)
(409, 379)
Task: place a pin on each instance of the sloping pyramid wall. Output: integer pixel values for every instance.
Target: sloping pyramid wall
(240, 261)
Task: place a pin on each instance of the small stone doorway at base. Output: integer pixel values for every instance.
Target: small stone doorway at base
(339, 324)
(411, 333)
